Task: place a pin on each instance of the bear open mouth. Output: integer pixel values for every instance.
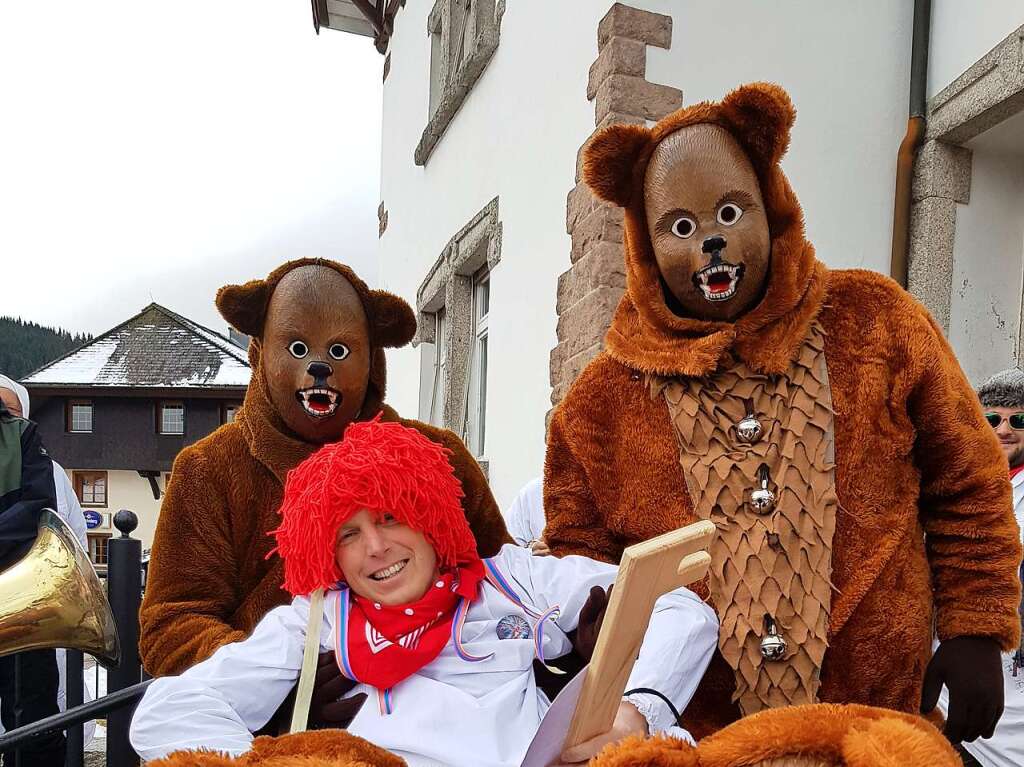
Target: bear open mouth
(718, 282)
(319, 401)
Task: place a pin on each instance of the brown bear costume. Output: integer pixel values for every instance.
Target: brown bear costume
(834, 396)
(824, 735)
(210, 581)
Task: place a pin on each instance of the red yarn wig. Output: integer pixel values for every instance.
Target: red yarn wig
(379, 466)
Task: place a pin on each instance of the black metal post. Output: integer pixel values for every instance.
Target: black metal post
(74, 685)
(85, 712)
(124, 590)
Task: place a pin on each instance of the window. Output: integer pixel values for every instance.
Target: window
(79, 419)
(90, 487)
(98, 547)
(228, 412)
(476, 393)
(463, 38)
(454, 310)
(171, 418)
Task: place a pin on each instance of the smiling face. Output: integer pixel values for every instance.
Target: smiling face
(707, 223)
(384, 560)
(1010, 440)
(316, 352)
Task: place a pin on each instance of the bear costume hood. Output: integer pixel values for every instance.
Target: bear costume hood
(645, 334)
(392, 324)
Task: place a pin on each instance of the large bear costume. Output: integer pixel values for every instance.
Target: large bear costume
(824, 426)
(210, 581)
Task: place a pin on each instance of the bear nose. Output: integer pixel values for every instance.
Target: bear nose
(712, 244)
(319, 369)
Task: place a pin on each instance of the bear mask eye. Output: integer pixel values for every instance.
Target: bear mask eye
(338, 351)
(298, 349)
(684, 227)
(729, 214)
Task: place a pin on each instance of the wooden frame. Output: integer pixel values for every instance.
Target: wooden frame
(160, 406)
(101, 540)
(225, 407)
(647, 571)
(79, 480)
(69, 408)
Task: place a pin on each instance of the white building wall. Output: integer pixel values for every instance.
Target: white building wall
(518, 132)
(962, 32)
(127, 490)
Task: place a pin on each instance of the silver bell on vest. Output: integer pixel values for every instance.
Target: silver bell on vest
(773, 646)
(749, 430)
(762, 500)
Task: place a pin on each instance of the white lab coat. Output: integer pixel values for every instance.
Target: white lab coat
(1006, 746)
(451, 711)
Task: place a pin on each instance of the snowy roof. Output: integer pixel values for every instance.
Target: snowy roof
(155, 348)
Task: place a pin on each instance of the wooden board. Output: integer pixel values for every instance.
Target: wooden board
(647, 571)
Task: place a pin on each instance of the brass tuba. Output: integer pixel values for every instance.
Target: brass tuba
(52, 597)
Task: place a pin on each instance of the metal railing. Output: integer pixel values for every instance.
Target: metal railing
(125, 683)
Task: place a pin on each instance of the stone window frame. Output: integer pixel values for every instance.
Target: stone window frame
(988, 92)
(450, 285)
(452, 77)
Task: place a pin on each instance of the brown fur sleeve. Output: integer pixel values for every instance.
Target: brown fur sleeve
(190, 589)
(966, 502)
(574, 525)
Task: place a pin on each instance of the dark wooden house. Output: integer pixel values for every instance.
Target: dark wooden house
(116, 411)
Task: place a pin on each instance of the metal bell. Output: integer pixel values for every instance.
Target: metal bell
(773, 646)
(762, 500)
(749, 430)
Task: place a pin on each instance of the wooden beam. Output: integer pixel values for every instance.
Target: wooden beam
(647, 571)
(373, 14)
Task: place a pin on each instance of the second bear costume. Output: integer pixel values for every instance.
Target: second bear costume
(317, 354)
(818, 417)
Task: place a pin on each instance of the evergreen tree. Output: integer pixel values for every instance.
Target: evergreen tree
(25, 346)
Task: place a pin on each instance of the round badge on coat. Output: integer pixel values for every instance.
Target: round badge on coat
(514, 627)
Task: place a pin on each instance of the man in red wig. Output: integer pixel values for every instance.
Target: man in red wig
(440, 641)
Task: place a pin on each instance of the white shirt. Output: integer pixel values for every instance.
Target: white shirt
(451, 711)
(525, 518)
(1006, 746)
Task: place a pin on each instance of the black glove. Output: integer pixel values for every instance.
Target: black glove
(972, 670)
(591, 618)
(325, 710)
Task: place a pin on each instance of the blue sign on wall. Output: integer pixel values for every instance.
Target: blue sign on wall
(92, 518)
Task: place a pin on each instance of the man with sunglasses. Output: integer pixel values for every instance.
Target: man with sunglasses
(1002, 397)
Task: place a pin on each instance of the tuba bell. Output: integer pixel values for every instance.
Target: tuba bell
(52, 598)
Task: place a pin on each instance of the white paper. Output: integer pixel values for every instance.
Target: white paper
(547, 743)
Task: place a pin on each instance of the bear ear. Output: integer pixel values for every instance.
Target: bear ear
(391, 319)
(761, 115)
(609, 161)
(245, 306)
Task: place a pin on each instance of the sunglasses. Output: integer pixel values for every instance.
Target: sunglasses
(1016, 420)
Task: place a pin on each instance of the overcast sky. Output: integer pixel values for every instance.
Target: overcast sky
(156, 151)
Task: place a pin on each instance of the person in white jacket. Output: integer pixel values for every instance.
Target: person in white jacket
(441, 642)
(16, 399)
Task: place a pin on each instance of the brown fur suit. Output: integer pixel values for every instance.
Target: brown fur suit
(925, 527)
(210, 581)
(802, 736)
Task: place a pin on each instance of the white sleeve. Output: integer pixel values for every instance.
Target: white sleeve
(218, 703)
(676, 651)
(678, 645)
(68, 507)
(526, 513)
